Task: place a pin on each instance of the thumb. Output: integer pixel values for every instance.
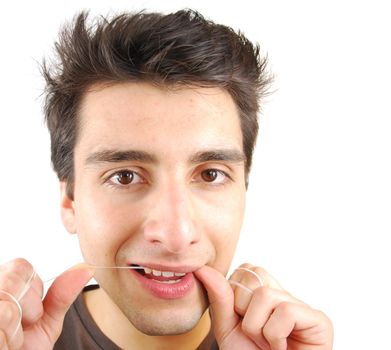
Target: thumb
(61, 294)
(221, 299)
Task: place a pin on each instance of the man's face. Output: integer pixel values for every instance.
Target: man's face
(159, 183)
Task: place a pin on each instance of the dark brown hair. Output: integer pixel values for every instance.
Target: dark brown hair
(178, 49)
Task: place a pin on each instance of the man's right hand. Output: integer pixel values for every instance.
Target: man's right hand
(42, 320)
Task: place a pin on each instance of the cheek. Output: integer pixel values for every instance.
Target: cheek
(103, 226)
(225, 224)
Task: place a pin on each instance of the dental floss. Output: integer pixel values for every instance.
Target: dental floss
(33, 275)
(27, 286)
(241, 286)
(104, 267)
(116, 267)
(16, 301)
(29, 282)
(253, 273)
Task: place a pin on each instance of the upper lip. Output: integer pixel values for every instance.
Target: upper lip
(177, 268)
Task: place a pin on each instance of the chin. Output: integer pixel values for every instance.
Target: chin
(172, 319)
(155, 317)
(155, 325)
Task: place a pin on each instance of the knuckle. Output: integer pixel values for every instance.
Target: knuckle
(249, 328)
(20, 266)
(8, 283)
(263, 293)
(14, 274)
(241, 304)
(9, 312)
(240, 308)
(325, 320)
(37, 316)
(286, 310)
(32, 312)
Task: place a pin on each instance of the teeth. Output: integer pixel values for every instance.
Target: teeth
(169, 281)
(148, 271)
(168, 274)
(156, 272)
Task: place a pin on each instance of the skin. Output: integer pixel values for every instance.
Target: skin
(168, 214)
(171, 211)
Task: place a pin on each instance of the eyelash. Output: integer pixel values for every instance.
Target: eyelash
(219, 172)
(111, 182)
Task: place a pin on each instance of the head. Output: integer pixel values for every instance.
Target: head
(153, 122)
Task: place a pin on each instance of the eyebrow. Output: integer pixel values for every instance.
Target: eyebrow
(226, 155)
(117, 156)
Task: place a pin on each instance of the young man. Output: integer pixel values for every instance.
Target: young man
(153, 122)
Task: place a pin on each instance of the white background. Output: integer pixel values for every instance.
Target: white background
(319, 201)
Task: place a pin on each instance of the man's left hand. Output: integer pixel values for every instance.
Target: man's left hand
(256, 313)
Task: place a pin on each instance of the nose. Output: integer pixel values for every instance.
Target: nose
(170, 220)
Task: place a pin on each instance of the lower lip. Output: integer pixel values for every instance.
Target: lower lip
(165, 290)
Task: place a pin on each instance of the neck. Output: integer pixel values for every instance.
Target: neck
(120, 330)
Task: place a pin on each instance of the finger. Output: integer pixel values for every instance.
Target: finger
(10, 316)
(263, 303)
(17, 338)
(221, 300)
(20, 280)
(14, 275)
(31, 302)
(255, 275)
(246, 279)
(297, 325)
(60, 296)
(3, 341)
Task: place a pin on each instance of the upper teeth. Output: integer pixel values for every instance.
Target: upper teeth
(163, 273)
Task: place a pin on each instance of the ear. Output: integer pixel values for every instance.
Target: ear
(67, 209)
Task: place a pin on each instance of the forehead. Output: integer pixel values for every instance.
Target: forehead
(143, 116)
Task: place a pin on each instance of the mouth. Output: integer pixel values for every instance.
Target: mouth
(168, 277)
(165, 282)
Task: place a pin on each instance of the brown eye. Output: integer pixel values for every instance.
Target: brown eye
(124, 177)
(209, 175)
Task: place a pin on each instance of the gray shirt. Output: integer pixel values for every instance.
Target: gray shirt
(80, 332)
